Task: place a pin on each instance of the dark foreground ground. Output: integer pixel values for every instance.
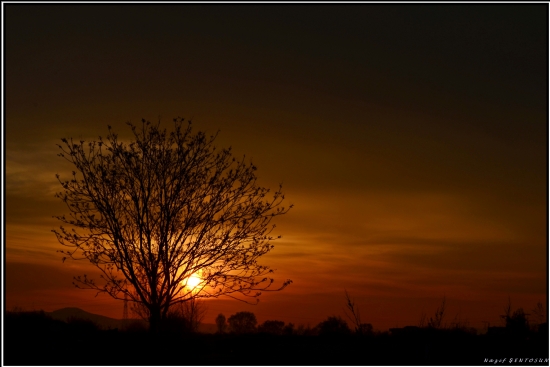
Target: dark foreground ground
(50, 342)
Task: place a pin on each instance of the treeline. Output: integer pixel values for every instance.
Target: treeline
(34, 338)
(245, 322)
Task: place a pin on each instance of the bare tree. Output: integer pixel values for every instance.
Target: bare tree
(516, 322)
(352, 313)
(507, 311)
(167, 218)
(539, 314)
(187, 316)
(459, 323)
(422, 320)
(437, 320)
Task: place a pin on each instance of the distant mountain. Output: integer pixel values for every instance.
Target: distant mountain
(105, 322)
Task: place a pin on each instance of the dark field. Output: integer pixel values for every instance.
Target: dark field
(35, 339)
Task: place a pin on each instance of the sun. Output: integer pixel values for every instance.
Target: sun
(193, 281)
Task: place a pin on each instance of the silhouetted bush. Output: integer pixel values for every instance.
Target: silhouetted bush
(436, 322)
(288, 329)
(364, 329)
(175, 323)
(184, 317)
(31, 322)
(306, 330)
(334, 325)
(516, 322)
(221, 325)
(27, 317)
(242, 322)
(272, 327)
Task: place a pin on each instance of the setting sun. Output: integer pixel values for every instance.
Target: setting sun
(193, 281)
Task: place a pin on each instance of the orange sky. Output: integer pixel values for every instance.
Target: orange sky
(412, 141)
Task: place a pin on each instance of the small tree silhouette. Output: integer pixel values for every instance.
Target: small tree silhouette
(516, 322)
(288, 329)
(352, 313)
(305, 330)
(272, 327)
(539, 314)
(334, 325)
(422, 320)
(437, 321)
(167, 218)
(221, 324)
(459, 323)
(243, 322)
(186, 317)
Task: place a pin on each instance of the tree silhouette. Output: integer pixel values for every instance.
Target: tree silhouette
(186, 316)
(275, 327)
(352, 313)
(333, 325)
(221, 325)
(437, 321)
(242, 322)
(539, 314)
(167, 218)
(516, 322)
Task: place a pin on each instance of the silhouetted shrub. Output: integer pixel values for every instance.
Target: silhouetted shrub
(306, 330)
(31, 322)
(221, 324)
(517, 323)
(538, 316)
(175, 323)
(436, 322)
(288, 329)
(364, 329)
(242, 322)
(27, 317)
(184, 317)
(334, 325)
(272, 327)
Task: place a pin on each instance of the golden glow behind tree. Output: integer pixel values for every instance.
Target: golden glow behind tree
(165, 208)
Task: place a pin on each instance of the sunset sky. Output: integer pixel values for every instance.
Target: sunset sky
(411, 139)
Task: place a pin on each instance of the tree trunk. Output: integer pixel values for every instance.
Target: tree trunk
(154, 319)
